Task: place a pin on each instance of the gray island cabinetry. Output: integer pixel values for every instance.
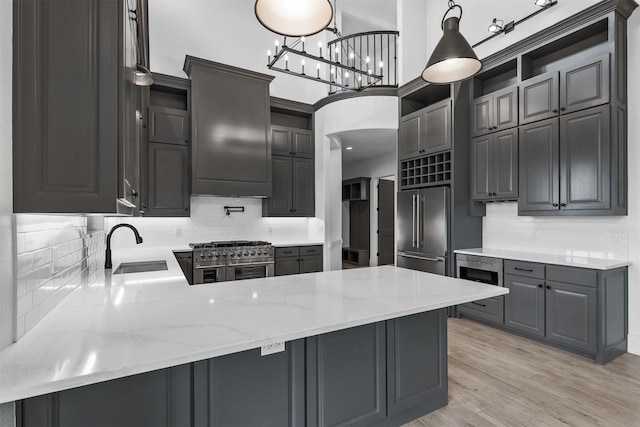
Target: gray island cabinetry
(383, 373)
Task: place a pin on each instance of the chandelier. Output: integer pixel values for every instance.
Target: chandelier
(352, 63)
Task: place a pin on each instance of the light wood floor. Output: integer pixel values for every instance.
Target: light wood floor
(498, 379)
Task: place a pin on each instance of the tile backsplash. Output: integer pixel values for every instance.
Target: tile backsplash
(592, 236)
(55, 254)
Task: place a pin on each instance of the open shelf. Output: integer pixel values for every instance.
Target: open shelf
(434, 169)
(500, 77)
(356, 189)
(355, 256)
(424, 97)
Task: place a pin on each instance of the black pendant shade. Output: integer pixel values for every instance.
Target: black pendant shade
(453, 59)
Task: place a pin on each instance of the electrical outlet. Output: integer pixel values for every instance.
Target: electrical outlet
(275, 347)
(178, 232)
(615, 235)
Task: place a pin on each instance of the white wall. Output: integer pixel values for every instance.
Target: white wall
(412, 48)
(370, 112)
(7, 245)
(225, 31)
(612, 237)
(634, 180)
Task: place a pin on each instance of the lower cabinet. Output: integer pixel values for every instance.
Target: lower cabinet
(298, 259)
(578, 309)
(384, 373)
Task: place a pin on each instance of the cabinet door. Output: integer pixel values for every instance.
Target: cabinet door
(247, 389)
(168, 125)
(281, 140)
(505, 104)
(286, 266)
(303, 143)
(65, 130)
(481, 115)
(571, 315)
(168, 180)
(539, 98)
(436, 130)
(346, 377)
(585, 85)
(481, 168)
(417, 362)
(310, 264)
(410, 134)
(280, 203)
(303, 187)
(585, 166)
(524, 304)
(539, 181)
(505, 164)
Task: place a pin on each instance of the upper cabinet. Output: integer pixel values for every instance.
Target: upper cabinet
(166, 150)
(231, 150)
(77, 111)
(292, 161)
(573, 88)
(426, 131)
(563, 94)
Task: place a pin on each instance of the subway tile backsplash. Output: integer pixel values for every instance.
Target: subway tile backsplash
(55, 255)
(588, 236)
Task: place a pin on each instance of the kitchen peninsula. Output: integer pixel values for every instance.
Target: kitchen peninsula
(365, 345)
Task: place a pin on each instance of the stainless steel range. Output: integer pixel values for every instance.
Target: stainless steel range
(234, 260)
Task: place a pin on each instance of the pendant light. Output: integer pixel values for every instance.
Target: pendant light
(295, 18)
(453, 59)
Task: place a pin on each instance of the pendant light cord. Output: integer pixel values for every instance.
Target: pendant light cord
(452, 5)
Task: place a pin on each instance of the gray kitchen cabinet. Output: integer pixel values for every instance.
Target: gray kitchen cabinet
(293, 188)
(576, 309)
(539, 167)
(168, 125)
(293, 174)
(416, 369)
(576, 87)
(494, 166)
(565, 164)
(571, 315)
(185, 260)
(76, 134)
(346, 377)
(166, 156)
(247, 389)
(495, 112)
(490, 310)
(524, 306)
(230, 120)
(297, 260)
(292, 142)
(425, 131)
(168, 180)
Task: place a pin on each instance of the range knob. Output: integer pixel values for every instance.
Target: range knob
(259, 252)
(246, 254)
(210, 255)
(253, 253)
(232, 254)
(202, 255)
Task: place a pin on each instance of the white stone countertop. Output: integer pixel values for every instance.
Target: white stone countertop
(570, 260)
(133, 323)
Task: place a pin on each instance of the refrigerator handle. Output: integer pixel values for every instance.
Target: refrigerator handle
(413, 220)
(418, 220)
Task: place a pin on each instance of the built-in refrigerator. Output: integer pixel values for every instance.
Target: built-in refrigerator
(423, 229)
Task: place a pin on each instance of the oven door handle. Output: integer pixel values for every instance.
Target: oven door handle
(252, 264)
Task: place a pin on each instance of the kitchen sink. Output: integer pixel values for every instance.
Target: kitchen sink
(140, 267)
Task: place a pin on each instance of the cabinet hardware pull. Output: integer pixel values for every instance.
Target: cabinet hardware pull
(477, 303)
(548, 287)
(555, 205)
(554, 111)
(539, 286)
(562, 108)
(563, 204)
(530, 270)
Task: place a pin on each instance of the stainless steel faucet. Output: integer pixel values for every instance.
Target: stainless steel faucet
(107, 262)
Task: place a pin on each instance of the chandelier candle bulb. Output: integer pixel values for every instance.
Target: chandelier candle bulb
(337, 53)
(276, 47)
(302, 62)
(268, 57)
(320, 47)
(318, 68)
(286, 62)
(302, 39)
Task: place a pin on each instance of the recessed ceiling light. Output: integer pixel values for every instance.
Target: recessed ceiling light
(349, 148)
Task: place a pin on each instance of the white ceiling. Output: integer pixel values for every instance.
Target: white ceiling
(367, 144)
